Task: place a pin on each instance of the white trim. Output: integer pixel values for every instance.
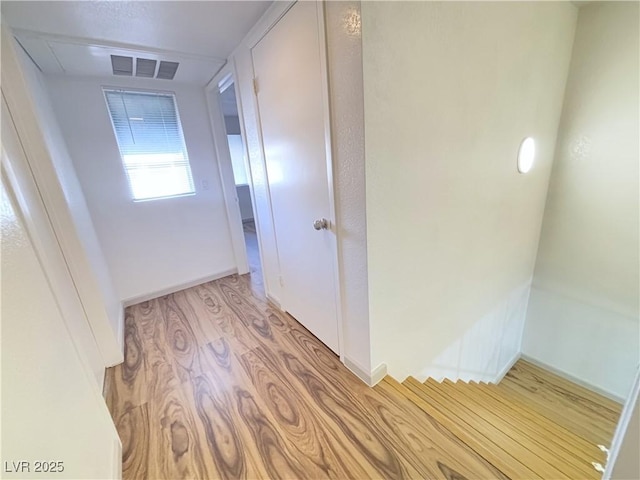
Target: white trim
(370, 377)
(92, 42)
(218, 129)
(500, 375)
(176, 288)
(326, 107)
(268, 20)
(228, 78)
(623, 425)
(263, 158)
(576, 380)
(274, 300)
(120, 333)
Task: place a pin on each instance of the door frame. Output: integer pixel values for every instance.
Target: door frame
(271, 17)
(227, 76)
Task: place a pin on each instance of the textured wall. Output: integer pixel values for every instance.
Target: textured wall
(450, 91)
(51, 410)
(584, 316)
(344, 48)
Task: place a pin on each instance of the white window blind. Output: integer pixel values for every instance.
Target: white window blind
(149, 135)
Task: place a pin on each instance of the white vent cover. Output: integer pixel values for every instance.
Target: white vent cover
(145, 67)
(167, 70)
(122, 65)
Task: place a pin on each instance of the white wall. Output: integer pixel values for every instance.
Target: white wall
(583, 317)
(16, 170)
(450, 91)
(49, 161)
(51, 408)
(344, 62)
(157, 246)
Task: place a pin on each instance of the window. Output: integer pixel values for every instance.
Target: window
(149, 135)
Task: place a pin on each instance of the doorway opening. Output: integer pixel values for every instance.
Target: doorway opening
(241, 176)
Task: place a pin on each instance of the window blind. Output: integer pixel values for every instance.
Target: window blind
(151, 143)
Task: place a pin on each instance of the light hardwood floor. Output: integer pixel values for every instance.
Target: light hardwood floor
(532, 425)
(218, 383)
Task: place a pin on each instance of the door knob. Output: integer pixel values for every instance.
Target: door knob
(321, 224)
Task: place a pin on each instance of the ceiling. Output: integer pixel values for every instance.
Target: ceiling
(78, 37)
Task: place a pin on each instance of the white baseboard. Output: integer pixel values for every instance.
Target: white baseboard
(369, 377)
(500, 375)
(576, 380)
(378, 373)
(274, 300)
(176, 288)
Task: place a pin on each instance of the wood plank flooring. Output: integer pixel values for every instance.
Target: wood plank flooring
(532, 425)
(218, 383)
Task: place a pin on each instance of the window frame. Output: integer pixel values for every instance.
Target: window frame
(172, 94)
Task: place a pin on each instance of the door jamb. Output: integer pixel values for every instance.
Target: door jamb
(218, 130)
(335, 240)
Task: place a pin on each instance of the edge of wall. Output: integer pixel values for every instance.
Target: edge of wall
(117, 459)
(370, 377)
(576, 380)
(127, 302)
(501, 374)
(621, 429)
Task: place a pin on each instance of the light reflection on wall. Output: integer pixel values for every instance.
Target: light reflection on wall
(352, 22)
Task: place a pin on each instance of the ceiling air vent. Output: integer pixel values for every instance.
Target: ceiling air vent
(167, 70)
(145, 67)
(122, 65)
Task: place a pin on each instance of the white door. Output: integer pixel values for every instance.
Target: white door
(288, 70)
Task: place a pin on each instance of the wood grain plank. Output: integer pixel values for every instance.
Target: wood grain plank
(311, 434)
(567, 439)
(133, 428)
(571, 389)
(530, 438)
(125, 384)
(219, 383)
(559, 412)
(561, 438)
(416, 426)
(492, 452)
(504, 439)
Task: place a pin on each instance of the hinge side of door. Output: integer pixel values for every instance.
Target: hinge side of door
(255, 86)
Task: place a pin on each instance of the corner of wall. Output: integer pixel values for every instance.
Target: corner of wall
(370, 377)
(501, 374)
